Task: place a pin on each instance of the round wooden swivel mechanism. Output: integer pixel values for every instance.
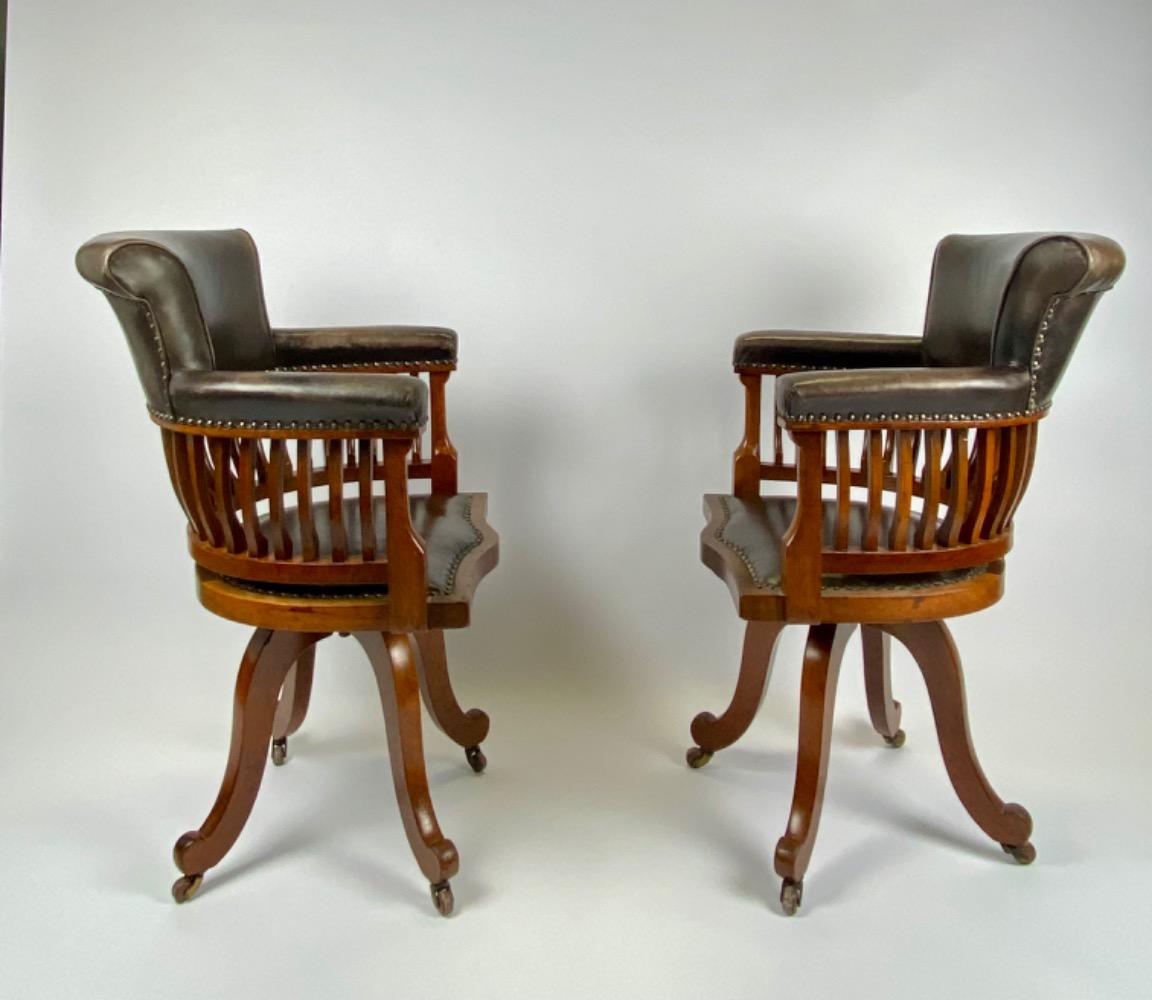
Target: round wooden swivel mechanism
(442, 898)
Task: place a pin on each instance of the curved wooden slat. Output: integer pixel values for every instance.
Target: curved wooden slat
(309, 544)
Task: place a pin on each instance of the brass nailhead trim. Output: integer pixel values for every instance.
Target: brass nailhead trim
(335, 366)
(1037, 353)
(292, 425)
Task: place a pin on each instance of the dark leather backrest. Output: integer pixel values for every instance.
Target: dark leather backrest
(186, 299)
(1019, 300)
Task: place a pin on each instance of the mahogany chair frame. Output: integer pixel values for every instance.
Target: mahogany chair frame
(939, 497)
(250, 570)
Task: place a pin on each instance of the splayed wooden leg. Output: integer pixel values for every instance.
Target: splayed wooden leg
(465, 728)
(393, 660)
(712, 733)
(293, 704)
(882, 707)
(266, 663)
(1007, 823)
(822, 656)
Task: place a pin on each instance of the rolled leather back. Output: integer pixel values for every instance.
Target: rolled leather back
(1018, 300)
(186, 300)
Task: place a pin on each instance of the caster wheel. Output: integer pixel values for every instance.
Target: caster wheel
(697, 758)
(1025, 854)
(183, 889)
(897, 741)
(791, 894)
(476, 759)
(279, 752)
(442, 898)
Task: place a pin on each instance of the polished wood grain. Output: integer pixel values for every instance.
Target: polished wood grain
(931, 645)
(467, 728)
(392, 659)
(883, 709)
(822, 656)
(927, 543)
(293, 704)
(295, 571)
(712, 733)
(269, 657)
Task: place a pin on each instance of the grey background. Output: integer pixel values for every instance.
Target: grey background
(598, 196)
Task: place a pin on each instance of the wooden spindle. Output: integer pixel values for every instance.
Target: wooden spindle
(309, 543)
(843, 490)
(254, 540)
(949, 533)
(987, 456)
(367, 507)
(335, 471)
(746, 461)
(407, 566)
(223, 497)
(876, 465)
(279, 470)
(443, 451)
(905, 474)
(933, 456)
(195, 467)
(169, 441)
(1005, 481)
(1027, 456)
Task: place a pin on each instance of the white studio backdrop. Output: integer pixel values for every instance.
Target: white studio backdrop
(598, 197)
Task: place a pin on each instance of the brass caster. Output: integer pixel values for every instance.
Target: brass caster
(1025, 854)
(279, 751)
(184, 888)
(791, 894)
(897, 741)
(476, 759)
(697, 758)
(442, 898)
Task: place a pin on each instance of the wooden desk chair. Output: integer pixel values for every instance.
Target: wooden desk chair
(909, 462)
(291, 452)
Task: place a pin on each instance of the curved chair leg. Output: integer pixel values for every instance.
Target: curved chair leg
(267, 660)
(465, 728)
(1007, 823)
(711, 733)
(293, 704)
(822, 657)
(393, 660)
(882, 707)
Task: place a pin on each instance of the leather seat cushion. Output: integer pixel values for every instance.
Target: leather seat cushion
(444, 523)
(755, 530)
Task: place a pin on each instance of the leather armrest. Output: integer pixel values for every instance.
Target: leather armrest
(906, 394)
(299, 399)
(819, 350)
(348, 346)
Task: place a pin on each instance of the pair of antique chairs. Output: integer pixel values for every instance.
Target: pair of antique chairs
(291, 453)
